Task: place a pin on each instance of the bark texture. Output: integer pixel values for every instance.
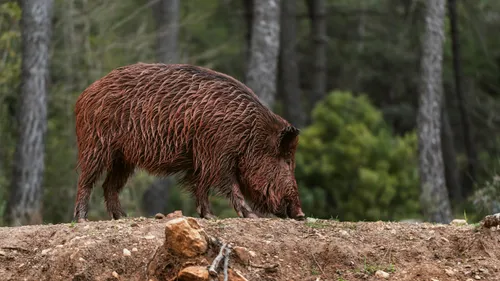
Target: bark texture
(26, 194)
(289, 73)
(167, 20)
(264, 48)
(318, 32)
(434, 196)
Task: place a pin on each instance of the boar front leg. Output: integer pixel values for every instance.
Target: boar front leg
(240, 206)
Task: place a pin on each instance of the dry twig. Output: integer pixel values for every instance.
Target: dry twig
(215, 264)
(317, 264)
(226, 262)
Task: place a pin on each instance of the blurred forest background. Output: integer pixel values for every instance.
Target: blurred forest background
(397, 100)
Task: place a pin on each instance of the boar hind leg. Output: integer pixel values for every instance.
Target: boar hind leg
(238, 201)
(115, 180)
(88, 176)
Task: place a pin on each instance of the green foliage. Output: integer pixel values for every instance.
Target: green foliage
(350, 165)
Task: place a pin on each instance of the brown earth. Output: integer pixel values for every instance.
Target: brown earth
(284, 250)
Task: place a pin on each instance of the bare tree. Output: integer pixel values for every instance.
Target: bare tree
(167, 22)
(25, 201)
(470, 148)
(434, 196)
(264, 49)
(288, 69)
(317, 13)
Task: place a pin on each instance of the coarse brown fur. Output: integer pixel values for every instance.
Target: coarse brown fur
(189, 120)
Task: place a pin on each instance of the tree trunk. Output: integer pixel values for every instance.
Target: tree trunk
(464, 114)
(166, 12)
(248, 6)
(318, 31)
(167, 22)
(289, 73)
(26, 194)
(434, 197)
(450, 159)
(264, 49)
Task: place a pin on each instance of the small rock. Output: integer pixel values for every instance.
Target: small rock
(115, 274)
(175, 214)
(449, 272)
(434, 279)
(382, 274)
(193, 273)
(469, 279)
(45, 251)
(159, 216)
(242, 254)
(59, 246)
(184, 240)
(458, 222)
(477, 277)
(149, 237)
(344, 233)
(134, 249)
(126, 253)
(484, 270)
(2, 253)
(134, 224)
(82, 259)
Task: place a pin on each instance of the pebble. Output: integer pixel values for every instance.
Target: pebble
(449, 272)
(382, 274)
(149, 237)
(134, 249)
(159, 216)
(458, 222)
(126, 253)
(45, 251)
(477, 277)
(115, 274)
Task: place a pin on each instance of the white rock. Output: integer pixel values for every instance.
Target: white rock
(126, 253)
(458, 222)
(382, 274)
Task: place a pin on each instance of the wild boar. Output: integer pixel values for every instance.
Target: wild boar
(205, 126)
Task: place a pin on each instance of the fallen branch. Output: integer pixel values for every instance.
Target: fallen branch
(226, 262)
(215, 264)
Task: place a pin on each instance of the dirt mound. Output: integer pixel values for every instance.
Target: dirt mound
(276, 249)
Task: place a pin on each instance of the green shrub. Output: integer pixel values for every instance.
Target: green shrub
(351, 167)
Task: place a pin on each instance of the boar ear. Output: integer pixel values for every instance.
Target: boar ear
(287, 139)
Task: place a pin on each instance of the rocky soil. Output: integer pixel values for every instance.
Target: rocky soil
(174, 247)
